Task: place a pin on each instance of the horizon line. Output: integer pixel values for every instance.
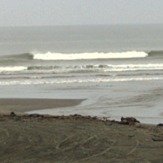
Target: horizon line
(72, 25)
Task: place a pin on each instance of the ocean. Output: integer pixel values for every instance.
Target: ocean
(118, 69)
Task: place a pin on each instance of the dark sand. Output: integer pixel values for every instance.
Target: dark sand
(73, 139)
(25, 105)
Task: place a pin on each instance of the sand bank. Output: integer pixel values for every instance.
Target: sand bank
(25, 105)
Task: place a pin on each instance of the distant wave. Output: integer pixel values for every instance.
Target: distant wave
(80, 56)
(88, 56)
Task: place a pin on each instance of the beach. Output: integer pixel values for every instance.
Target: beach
(64, 90)
(74, 138)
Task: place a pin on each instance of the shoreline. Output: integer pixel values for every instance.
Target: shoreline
(56, 107)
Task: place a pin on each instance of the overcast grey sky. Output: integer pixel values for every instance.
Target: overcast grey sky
(74, 12)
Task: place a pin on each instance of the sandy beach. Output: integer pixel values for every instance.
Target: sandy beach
(72, 139)
(75, 139)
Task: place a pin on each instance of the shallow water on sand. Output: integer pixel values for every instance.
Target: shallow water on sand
(140, 99)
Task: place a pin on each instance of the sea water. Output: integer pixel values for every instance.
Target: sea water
(116, 68)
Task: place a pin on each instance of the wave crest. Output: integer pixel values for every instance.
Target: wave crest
(87, 56)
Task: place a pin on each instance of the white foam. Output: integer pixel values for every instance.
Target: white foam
(11, 69)
(76, 81)
(134, 67)
(96, 55)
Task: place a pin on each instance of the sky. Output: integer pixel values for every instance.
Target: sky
(80, 12)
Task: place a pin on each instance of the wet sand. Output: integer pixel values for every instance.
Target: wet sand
(25, 105)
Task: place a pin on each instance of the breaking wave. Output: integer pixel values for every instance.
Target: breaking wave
(53, 56)
(98, 67)
(82, 68)
(88, 56)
